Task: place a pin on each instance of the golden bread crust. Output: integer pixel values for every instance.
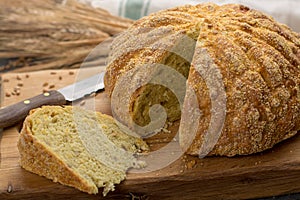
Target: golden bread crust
(258, 60)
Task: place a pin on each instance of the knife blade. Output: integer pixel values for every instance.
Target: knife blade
(15, 113)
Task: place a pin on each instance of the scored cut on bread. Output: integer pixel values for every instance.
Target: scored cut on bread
(258, 61)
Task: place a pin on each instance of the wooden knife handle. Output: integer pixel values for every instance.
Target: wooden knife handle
(15, 113)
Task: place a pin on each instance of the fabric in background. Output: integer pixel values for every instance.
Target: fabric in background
(284, 11)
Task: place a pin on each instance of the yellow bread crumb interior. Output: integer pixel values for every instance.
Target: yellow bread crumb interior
(71, 135)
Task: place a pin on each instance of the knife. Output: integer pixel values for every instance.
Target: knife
(15, 113)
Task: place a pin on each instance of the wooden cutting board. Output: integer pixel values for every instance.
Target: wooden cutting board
(274, 172)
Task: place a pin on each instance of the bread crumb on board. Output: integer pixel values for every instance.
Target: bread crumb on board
(7, 94)
(188, 163)
(18, 77)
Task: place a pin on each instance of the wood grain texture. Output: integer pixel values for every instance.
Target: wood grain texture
(274, 172)
(11, 115)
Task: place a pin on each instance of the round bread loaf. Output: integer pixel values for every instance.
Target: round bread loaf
(242, 70)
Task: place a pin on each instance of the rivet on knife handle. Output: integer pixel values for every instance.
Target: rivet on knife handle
(15, 113)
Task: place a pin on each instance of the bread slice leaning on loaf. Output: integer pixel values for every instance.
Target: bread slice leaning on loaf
(242, 70)
(78, 148)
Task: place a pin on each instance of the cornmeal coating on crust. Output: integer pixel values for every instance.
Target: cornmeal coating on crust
(257, 58)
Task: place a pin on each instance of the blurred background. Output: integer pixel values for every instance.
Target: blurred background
(285, 11)
(55, 34)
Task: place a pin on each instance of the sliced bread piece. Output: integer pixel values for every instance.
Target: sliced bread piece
(78, 148)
